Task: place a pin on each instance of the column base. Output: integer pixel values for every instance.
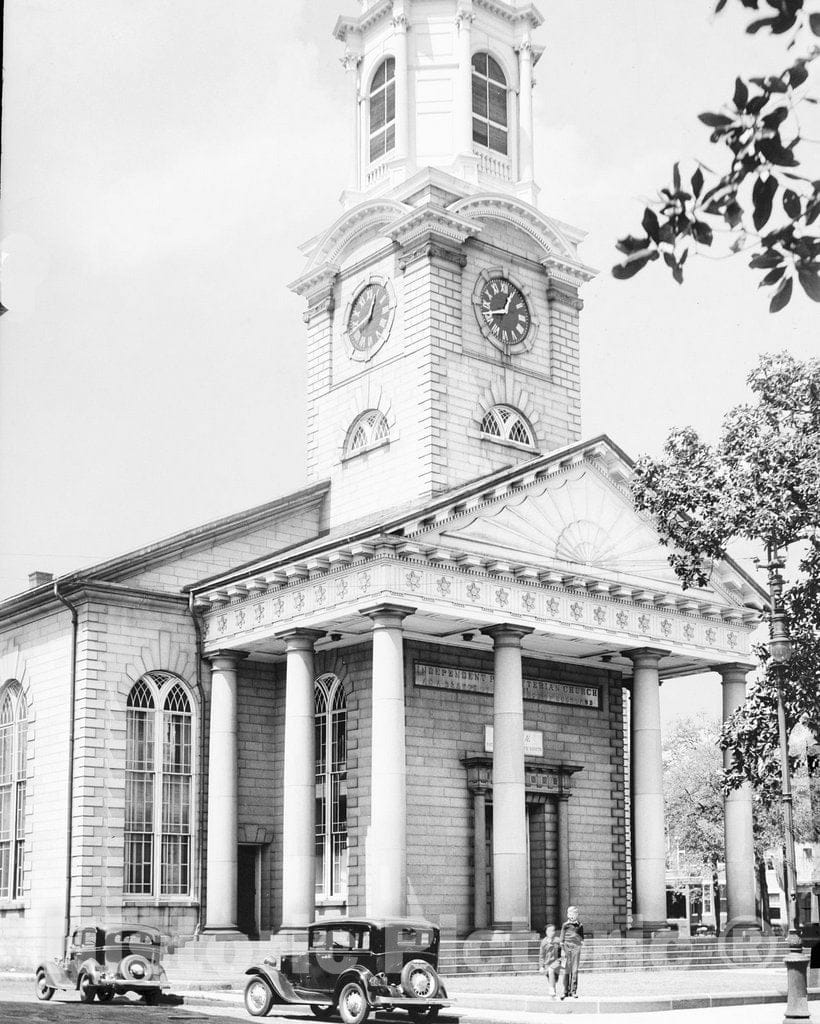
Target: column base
(227, 933)
(501, 934)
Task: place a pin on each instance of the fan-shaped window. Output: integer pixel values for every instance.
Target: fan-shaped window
(330, 721)
(507, 424)
(12, 791)
(489, 103)
(368, 431)
(158, 787)
(383, 110)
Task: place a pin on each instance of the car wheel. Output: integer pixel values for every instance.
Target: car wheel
(136, 968)
(322, 1012)
(419, 980)
(353, 1006)
(42, 988)
(258, 997)
(87, 992)
(105, 995)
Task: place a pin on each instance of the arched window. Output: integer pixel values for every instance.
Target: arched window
(330, 722)
(158, 787)
(507, 424)
(383, 110)
(12, 791)
(368, 431)
(489, 103)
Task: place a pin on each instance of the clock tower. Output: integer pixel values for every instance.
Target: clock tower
(442, 305)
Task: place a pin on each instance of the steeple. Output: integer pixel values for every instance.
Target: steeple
(441, 83)
(442, 305)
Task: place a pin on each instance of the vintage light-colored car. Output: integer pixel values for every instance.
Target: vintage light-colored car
(353, 966)
(105, 962)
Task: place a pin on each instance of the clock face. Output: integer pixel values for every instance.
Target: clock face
(504, 310)
(370, 317)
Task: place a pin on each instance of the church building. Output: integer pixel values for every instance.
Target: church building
(428, 682)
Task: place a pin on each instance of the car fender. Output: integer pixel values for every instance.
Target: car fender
(56, 975)
(283, 991)
(91, 968)
(357, 973)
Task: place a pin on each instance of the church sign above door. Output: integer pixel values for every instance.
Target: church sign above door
(546, 691)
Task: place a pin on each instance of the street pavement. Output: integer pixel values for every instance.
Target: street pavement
(502, 999)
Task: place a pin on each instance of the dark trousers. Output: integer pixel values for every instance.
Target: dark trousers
(572, 957)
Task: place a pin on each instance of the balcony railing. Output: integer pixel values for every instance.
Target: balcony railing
(494, 165)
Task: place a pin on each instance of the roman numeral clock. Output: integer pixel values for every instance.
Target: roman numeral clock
(504, 311)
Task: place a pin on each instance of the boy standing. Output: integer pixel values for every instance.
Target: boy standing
(571, 939)
(549, 957)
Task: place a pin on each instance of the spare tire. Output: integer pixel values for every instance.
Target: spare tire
(136, 967)
(419, 980)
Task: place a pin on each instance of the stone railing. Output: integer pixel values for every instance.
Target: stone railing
(494, 165)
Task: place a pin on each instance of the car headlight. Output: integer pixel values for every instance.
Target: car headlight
(275, 961)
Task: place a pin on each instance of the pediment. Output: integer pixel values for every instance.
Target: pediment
(574, 522)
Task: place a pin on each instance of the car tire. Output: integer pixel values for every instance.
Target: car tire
(136, 967)
(105, 995)
(352, 1005)
(86, 989)
(419, 980)
(322, 1012)
(43, 990)
(258, 997)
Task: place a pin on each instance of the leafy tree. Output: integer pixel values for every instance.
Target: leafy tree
(760, 481)
(759, 203)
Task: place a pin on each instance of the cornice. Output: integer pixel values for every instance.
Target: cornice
(547, 234)
(433, 223)
(565, 270)
(347, 25)
(510, 13)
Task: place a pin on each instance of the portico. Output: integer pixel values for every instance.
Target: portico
(409, 581)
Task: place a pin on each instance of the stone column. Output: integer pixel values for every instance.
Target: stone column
(510, 882)
(299, 782)
(564, 897)
(464, 96)
(737, 815)
(386, 845)
(402, 92)
(223, 793)
(525, 123)
(647, 791)
(480, 859)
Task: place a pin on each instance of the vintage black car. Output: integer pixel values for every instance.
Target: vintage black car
(105, 962)
(353, 966)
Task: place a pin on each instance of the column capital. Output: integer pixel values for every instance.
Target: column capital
(645, 656)
(232, 657)
(300, 639)
(386, 615)
(507, 634)
(734, 668)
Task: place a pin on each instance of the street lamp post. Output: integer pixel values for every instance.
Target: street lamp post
(780, 652)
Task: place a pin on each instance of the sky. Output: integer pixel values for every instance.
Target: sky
(163, 161)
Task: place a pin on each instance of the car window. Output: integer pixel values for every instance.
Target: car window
(89, 937)
(339, 938)
(413, 938)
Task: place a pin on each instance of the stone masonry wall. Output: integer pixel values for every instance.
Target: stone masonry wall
(38, 656)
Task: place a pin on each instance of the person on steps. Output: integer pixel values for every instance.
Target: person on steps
(571, 939)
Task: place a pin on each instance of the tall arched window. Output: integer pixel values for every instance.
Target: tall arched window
(489, 103)
(504, 423)
(12, 791)
(369, 430)
(383, 109)
(158, 787)
(330, 723)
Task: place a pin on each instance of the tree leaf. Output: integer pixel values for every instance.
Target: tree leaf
(701, 232)
(623, 271)
(762, 261)
(741, 94)
(715, 120)
(772, 277)
(792, 204)
(797, 74)
(733, 214)
(781, 296)
(676, 177)
(756, 26)
(697, 182)
(810, 280)
(776, 153)
(762, 196)
(650, 224)
(814, 23)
